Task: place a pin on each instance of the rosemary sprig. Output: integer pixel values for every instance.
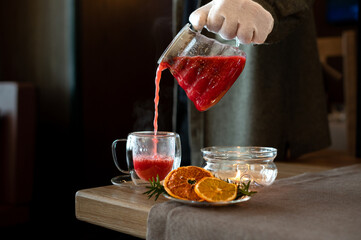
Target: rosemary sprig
(155, 188)
(243, 190)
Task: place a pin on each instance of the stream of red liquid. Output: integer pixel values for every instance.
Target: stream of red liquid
(160, 68)
(148, 167)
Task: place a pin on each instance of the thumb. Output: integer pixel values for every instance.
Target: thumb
(198, 18)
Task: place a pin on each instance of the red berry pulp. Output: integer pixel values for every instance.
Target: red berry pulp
(206, 79)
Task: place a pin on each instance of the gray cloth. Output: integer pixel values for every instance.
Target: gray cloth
(325, 205)
(279, 100)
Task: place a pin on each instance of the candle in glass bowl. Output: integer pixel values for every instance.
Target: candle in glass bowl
(237, 178)
(241, 178)
(242, 164)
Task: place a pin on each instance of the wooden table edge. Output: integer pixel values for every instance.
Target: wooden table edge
(121, 209)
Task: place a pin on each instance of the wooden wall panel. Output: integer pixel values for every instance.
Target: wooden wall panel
(119, 43)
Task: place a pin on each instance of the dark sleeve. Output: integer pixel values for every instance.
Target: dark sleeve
(287, 15)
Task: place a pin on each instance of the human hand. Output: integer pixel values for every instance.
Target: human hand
(244, 19)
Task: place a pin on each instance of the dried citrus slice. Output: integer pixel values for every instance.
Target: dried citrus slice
(214, 189)
(180, 182)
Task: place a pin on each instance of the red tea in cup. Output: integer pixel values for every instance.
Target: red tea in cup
(149, 167)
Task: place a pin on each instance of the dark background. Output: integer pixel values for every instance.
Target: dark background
(93, 64)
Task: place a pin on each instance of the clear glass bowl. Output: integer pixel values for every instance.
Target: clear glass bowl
(242, 164)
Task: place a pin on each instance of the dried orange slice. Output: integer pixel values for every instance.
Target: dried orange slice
(180, 182)
(214, 189)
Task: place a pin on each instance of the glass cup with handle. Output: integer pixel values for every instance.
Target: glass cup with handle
(148, 156)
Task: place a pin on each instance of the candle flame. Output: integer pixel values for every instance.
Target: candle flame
(238, 176)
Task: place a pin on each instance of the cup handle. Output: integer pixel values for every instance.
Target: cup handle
(114, 153)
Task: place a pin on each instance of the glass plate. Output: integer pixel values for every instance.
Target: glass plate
(121, 180)
(207, 204)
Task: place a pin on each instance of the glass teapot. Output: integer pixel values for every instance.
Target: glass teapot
(205, 68)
